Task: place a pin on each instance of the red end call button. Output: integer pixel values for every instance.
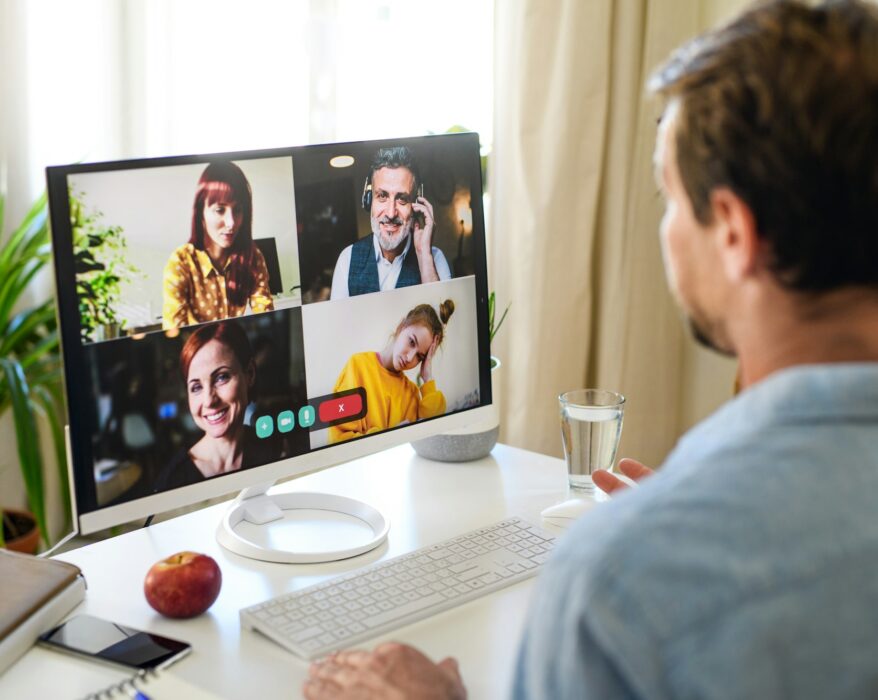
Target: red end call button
(340, 407)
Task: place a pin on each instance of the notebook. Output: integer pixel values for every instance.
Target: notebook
(36, 595)
(153, 685)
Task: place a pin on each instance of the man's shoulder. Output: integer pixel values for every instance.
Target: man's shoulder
(730, 527)
(345, 253)
(443, 269)
(682, 567)
(362, 243)
(360, 250)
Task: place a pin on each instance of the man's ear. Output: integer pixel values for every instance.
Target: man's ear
(737, 238)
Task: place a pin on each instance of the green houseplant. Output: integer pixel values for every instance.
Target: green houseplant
(99, 259)
(492, 327)
(30, 363)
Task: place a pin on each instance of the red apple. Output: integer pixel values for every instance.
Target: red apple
(183, 585)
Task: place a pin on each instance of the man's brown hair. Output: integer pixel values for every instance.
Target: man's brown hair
(781, 106)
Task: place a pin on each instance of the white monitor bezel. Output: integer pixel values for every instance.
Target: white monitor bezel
(108, 516)
(230, 484)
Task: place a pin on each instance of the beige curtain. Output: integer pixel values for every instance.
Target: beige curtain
(573, 241)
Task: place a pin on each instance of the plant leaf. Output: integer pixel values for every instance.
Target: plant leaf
(23, 327)
(53, 409)
(27, 439)
(32, 226)
(18, 277)
(43, 351)
(502, 318)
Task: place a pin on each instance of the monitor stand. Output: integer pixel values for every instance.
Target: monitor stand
(254, 505)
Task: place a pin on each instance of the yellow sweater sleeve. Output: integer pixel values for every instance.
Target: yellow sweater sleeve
(391, 398)
(432, 401)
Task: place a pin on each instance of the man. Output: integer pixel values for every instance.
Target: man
(748, 568)
(399, 253)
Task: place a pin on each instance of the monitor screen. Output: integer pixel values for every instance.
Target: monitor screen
(232, 319)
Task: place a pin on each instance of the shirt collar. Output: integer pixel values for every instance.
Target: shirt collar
(205, 264)
(377, 246)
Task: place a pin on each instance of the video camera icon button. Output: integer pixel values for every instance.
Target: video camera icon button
(286, 421)
(340, 407)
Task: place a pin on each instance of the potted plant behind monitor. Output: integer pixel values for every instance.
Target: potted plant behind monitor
(475, 442)
(100, 266)
(30, 374)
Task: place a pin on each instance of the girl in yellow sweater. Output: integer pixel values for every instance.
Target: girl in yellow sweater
(391, 397)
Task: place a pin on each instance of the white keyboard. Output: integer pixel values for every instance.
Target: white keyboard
(390, 594)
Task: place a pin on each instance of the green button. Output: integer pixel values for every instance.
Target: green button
(286, 421)
(307, 414)
(264, 426)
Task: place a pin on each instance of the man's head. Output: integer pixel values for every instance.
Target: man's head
(772, 126)
(391, 189)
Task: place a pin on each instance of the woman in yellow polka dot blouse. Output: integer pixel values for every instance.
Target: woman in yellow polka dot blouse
(220, 270)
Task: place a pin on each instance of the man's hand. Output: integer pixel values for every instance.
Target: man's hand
(423, 233)
(391, 672)
(631, 468)
(422, 239)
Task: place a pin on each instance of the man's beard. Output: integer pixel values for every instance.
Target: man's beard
(706, 334)
(391, 243)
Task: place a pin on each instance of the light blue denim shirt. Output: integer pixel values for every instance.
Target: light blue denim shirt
(748, 568)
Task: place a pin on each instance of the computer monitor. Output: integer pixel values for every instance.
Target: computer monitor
(268, 248)
(187, 379)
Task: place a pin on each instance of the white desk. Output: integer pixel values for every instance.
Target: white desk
(426, 501)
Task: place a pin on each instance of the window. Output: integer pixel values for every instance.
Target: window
(111, 79)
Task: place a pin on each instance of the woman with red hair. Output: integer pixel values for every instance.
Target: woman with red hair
(219, 371)
(220, 271)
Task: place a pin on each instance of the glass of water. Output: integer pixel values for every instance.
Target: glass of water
(591, 425)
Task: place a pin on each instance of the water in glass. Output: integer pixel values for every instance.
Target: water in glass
(591, 437)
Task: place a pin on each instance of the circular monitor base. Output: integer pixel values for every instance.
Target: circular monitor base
(262, 510)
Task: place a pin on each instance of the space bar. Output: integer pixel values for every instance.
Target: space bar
(402, 611)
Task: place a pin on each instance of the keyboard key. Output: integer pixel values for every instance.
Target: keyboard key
(402, 611)
(302, 635)
(460, 568)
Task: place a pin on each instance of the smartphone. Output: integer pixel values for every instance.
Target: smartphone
(99, 639)
(418, 217)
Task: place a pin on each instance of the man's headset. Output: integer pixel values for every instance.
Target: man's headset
(367, 192)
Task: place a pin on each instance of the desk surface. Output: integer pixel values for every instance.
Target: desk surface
(426, 501)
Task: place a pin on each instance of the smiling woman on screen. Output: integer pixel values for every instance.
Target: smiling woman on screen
(391, 397)
(220, 270)
(219, 373)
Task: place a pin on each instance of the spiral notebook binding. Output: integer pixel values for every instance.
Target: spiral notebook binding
(153, 684)
(133, 687)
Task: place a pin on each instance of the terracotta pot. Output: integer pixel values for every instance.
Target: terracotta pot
(30, 540)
